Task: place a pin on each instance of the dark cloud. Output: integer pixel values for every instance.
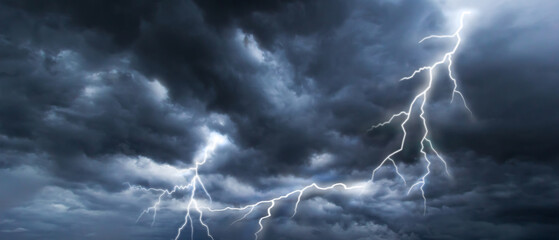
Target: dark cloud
(97, 94)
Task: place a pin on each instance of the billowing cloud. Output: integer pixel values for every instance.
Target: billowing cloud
(96, 96)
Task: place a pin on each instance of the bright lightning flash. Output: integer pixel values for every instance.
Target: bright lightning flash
(423, 95)
(425, 143)
(195, 182)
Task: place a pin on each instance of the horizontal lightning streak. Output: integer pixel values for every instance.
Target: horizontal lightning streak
(273, 201)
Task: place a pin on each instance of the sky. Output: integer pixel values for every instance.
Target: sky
(101, 102)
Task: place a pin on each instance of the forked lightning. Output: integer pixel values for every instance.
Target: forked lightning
(425, 142)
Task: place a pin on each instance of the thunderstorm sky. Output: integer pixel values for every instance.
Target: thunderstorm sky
(97, 96)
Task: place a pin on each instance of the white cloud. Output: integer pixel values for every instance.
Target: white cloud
(158, 90)
(251, 46)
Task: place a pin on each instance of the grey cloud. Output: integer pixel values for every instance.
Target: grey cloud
(95, 94)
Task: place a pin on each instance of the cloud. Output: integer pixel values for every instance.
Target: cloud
(95, 94)
(15, 230)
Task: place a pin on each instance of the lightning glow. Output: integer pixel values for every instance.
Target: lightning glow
(425, 142)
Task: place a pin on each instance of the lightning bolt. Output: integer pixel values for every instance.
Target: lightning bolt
(272, 203)
(192, 186)
(425, 142)
(423, 95)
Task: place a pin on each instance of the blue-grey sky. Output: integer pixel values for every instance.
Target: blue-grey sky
(97, 95)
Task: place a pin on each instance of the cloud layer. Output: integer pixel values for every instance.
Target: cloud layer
(98, 94)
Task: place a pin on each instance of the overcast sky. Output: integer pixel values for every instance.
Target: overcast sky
(96, 96)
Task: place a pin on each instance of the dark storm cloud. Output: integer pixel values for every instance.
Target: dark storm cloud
(94, 94)
(51, 104)
(514, 96)
(185, 46)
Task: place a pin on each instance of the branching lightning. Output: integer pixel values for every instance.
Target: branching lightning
(425, 142)
(423, 95)
(195, 182)
(272, 202)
